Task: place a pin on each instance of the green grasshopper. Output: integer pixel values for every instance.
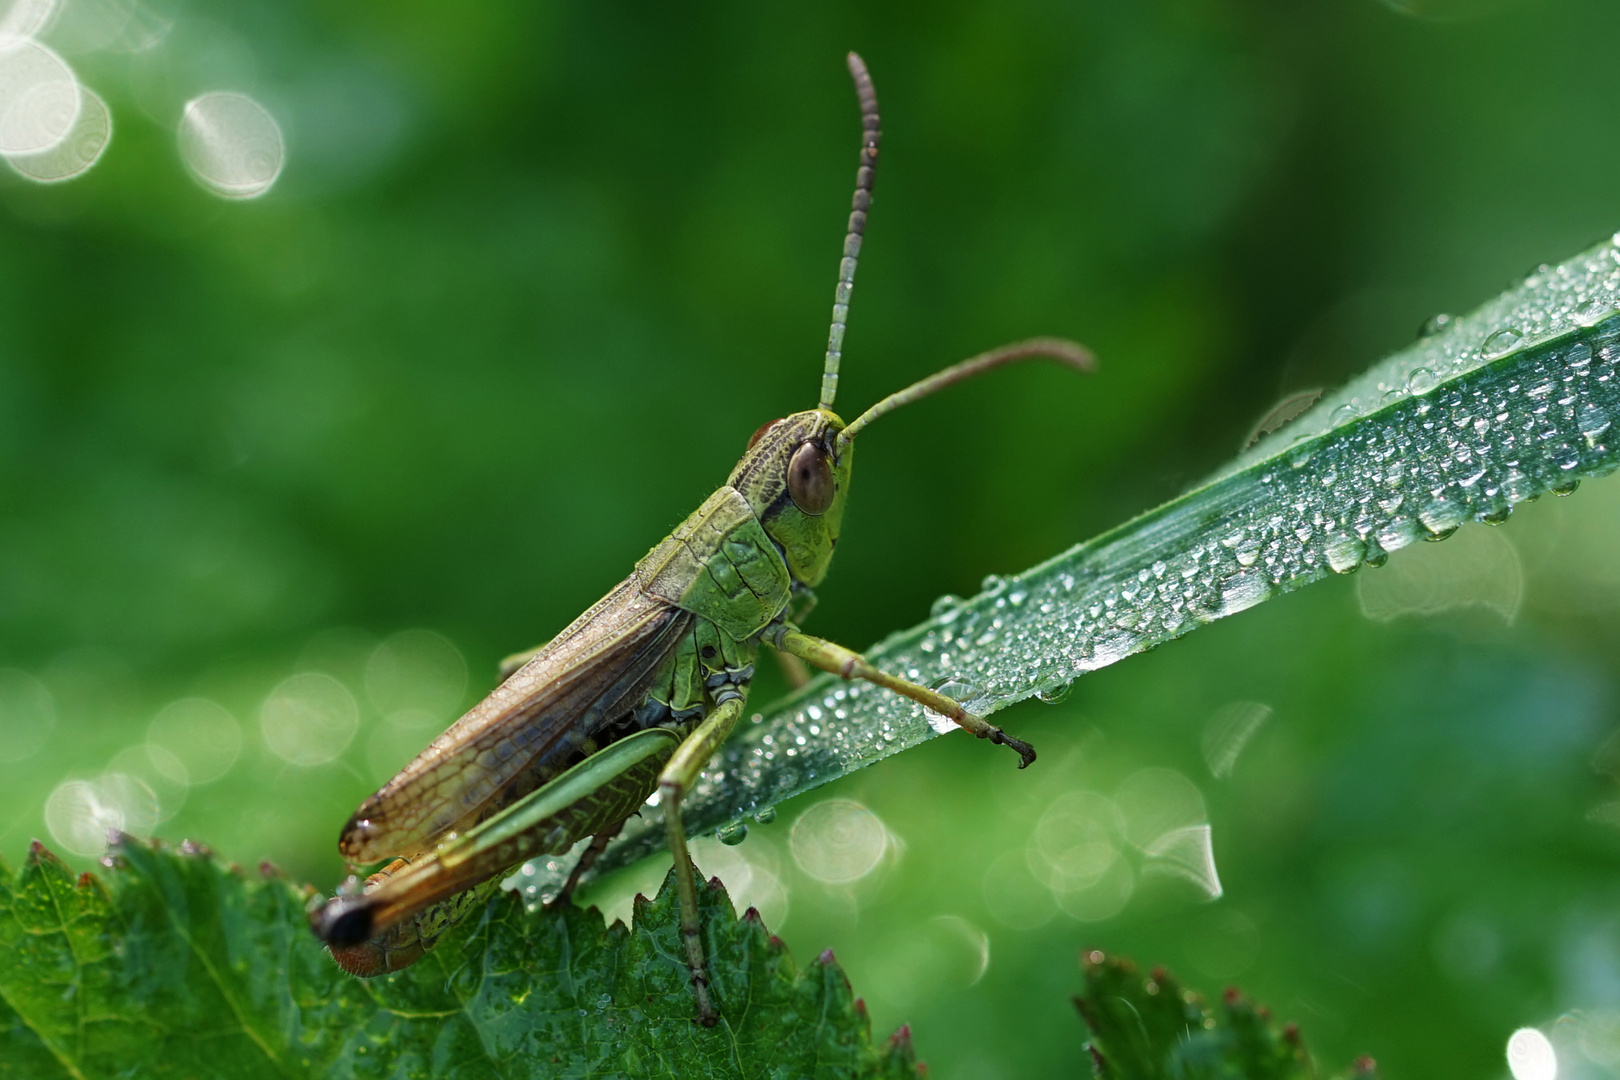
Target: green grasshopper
(639, 692)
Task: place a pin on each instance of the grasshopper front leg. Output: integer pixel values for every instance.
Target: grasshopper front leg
(678, 777)
(818, 652)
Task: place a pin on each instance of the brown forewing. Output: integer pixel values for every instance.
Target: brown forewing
(594, 672)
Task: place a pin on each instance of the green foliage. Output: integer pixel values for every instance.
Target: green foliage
(179, 965)
(535, 272)
(1150, 1027)
(1456, 428)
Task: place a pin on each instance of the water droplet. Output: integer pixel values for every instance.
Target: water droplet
(1343, 415)
(1344, 553)
(1376, 555)
(1592, 309)
(1501, 343)
(1421, 381)
(946, 608)
(1440, 519)
(1567, 488)
(766, 816)
(1054, 694)
(957, 689)
(1593, 420)
(1495, 514)
(1435, 323)
(733, 834)
(992, 583)
(1242, 591)
(1399, 533)
(1518, 487)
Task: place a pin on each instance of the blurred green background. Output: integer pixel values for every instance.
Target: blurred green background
(282, 478)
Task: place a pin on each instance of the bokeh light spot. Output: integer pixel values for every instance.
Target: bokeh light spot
(81, 813)
(1447, 10)
(200, 734)
(1074, 842)
(1188, 854)
(751, 876)
(309, 719)
(231, 144)
(1104, 898)
(416, 670)
(399, 738)
(27, 715)
(163, 773)
(1530, 1056)
(1156, 801)
(1600, 1036)
(24, 18)
(39, 98)
(1223, 944)
(838, 841)
(77, 152)
(1474, 568)
(1228, 733)
(112, 25)
(1013, 895)
(942, 955)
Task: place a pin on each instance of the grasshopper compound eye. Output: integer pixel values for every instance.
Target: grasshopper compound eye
(810, 479)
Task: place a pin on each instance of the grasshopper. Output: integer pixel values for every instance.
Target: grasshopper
(638, 693)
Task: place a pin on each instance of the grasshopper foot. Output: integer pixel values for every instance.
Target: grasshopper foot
(706, 1016)
(1026, 752)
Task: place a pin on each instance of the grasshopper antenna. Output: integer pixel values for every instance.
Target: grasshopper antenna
(871, 135)
(1071, 353)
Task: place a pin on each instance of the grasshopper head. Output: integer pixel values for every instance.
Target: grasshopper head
(795, 475)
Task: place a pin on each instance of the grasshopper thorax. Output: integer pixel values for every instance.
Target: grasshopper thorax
(795, 476)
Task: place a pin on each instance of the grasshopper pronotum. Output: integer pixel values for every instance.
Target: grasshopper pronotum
(638, 694)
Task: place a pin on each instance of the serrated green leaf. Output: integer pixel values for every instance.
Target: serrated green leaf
(1497, 407)
(1150, 1027)
(174, 964)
